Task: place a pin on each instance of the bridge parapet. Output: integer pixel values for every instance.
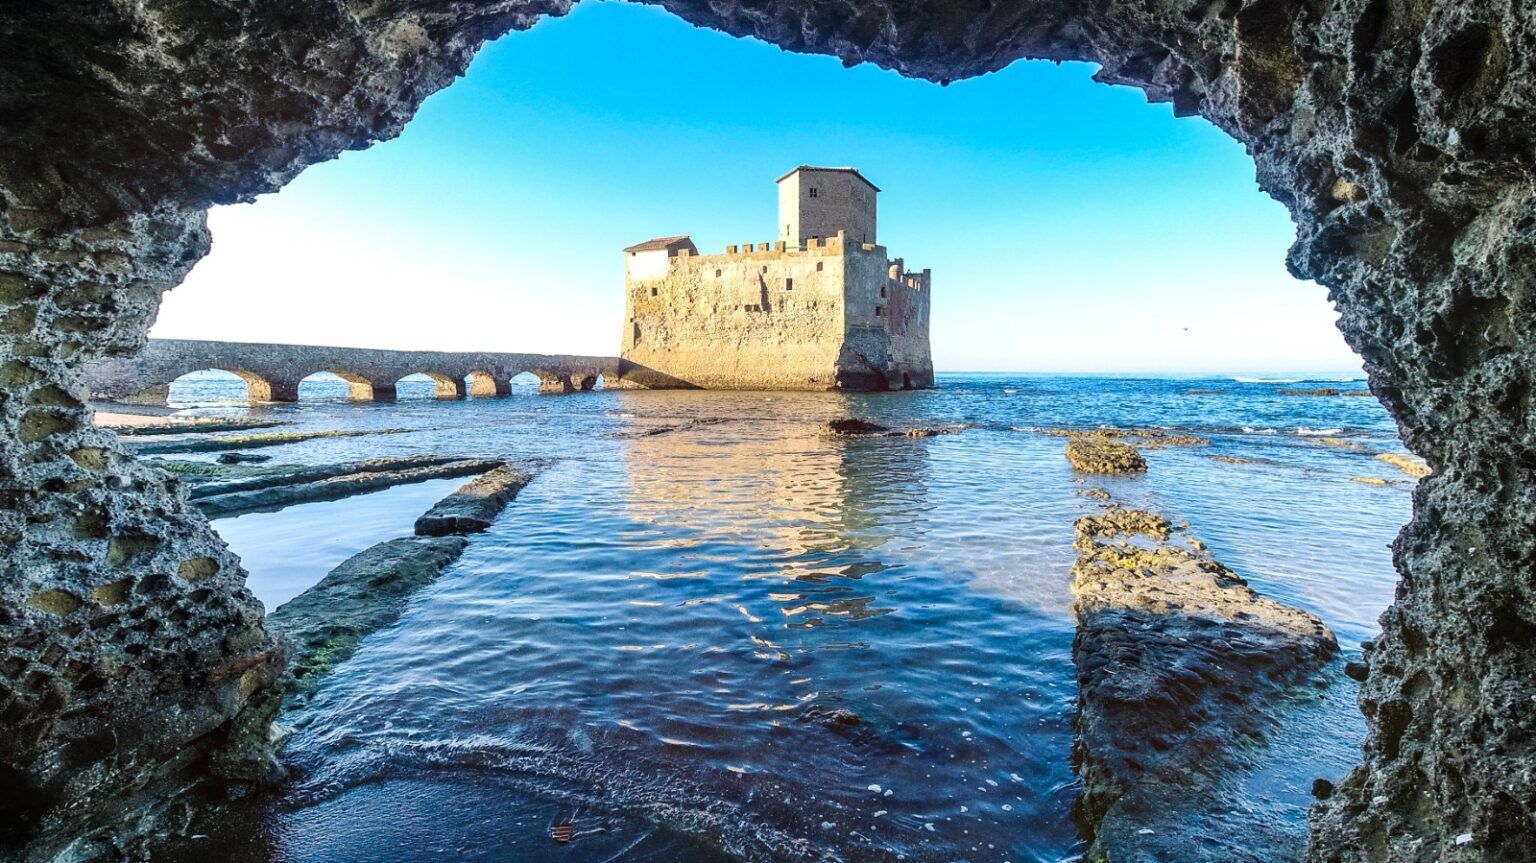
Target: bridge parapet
(272, 372)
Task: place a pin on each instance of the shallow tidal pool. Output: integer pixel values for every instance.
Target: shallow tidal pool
(706, 632)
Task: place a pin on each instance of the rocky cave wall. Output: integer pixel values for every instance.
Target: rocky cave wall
(1397, 132)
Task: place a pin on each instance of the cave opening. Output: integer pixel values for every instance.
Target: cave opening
(1424, 265)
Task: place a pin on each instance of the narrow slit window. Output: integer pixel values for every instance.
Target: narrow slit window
(653, 292)
(789, 284)
(882, 291)
(879, 311)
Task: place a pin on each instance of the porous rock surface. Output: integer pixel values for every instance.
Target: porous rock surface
(1179, 664)
(1399, 134)
(1099, 453)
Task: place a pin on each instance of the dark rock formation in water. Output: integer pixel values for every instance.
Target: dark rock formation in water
(851, 427)
(1398, 134)
(1179, 668)
(475, 505)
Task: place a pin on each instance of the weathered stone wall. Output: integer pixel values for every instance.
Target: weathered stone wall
(733, 321)
(824, 316)
(1399, 134)
(841, 202)
(272, 372)
(885, 345)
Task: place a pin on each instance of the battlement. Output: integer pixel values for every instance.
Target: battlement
(812, 246)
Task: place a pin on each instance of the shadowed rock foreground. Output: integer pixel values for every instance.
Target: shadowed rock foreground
(1180, 669)
(1398, 134)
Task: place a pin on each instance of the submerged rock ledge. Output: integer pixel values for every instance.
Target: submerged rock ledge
(365, 593)
(1179, 663)
(278, 496)
(369, 590)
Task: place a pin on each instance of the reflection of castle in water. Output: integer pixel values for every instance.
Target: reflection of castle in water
(821, 508)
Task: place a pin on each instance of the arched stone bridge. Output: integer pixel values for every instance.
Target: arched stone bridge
(273, 372)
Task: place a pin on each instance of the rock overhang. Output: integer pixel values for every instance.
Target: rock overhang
(1398, 134)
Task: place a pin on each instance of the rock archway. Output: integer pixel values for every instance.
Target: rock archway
(1399, 134)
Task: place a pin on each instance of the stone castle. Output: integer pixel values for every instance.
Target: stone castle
(823, 308)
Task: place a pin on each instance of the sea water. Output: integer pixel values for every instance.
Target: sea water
(665, 640)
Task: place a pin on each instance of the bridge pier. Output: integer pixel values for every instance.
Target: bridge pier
(385, 392)
(272, 391)
(447, 388)
(554, 386)
(484, 385)
(155, 395)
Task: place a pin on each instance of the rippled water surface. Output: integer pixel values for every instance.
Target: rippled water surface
(705, 632)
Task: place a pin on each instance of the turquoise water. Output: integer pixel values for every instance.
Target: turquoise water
(655, 638)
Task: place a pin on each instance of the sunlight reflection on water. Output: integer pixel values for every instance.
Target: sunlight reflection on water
(680, 628)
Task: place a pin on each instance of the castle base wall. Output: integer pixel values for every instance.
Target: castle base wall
(771, 318)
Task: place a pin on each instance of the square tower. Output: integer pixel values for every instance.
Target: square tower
(819, 202)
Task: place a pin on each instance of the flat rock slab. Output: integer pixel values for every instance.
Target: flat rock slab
(333, 488)
(1181, 667)
(193, 427)
(366, 592)
(294, 475)
(222, 444)
(475, 505)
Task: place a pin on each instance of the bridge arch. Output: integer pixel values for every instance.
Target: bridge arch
(429, 384)
(224, 385)
(336, 384)
(482, 384)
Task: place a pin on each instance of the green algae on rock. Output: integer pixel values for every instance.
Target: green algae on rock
(1100, 453)
(221, 444)
(267, 495)
(366, 592)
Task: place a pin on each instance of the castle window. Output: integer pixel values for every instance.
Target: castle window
(653, 292)
(879, 311)
(813, 191)
(765, 269)
(882, 291)
(818, 266)
(789, 284)
(717, 274)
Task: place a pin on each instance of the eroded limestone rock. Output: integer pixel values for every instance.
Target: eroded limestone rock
(1100, 453)
(1398, 134)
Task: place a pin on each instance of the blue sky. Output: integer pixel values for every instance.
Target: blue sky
(1070, 226)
